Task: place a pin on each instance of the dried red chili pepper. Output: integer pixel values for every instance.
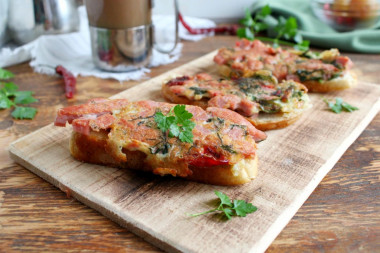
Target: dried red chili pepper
(69, 80)
(218, 30)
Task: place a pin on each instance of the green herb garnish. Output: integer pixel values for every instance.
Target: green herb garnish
(9, 91)
(198, 91)
(177, 123)
(340, 106)
(230, 208)
(285, 28)
(253, 25)
(5, 74)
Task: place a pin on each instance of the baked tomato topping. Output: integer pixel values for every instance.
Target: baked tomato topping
(220, 137)
(250, 56)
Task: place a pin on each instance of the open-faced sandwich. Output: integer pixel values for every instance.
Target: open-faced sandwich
(319, 72)
(215, 146)
(264, 102)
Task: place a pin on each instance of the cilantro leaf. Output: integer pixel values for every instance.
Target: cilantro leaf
(228, 209)
(186, 136)
(9, 89)
(303, 46)
(245, 33)
(174, 130)
(188, 125)
(340, 106)
(243, 208)
(162, 121)
(247, 20)
(179, 124)
(24, 97)
(181, 113)
(349, 108)
(5, 74)
(228, 212)
(285, 28)
(224, 199)
(24, 112)
(264, 12)
(5, 102)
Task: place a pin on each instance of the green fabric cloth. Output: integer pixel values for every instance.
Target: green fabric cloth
(318, 33)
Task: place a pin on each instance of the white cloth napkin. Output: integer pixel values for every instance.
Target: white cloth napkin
(73, 50)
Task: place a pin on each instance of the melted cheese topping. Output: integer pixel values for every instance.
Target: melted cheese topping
(247, 57)
(217, 141)
(262, 88)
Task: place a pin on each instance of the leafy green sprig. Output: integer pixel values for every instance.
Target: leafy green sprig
(253, 25)
(340, 106)
(176, 123)
(285, 28)
(9, 91)
(230, 208)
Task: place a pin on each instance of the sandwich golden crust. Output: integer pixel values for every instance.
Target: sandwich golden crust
(223, 150)
(264, 102)
(322, 72)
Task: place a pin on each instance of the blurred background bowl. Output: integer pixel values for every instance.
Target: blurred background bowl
(347, 15)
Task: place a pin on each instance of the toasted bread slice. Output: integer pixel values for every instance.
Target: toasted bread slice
(126, 135)
(205, 87)
(319, 72)
(92, 148)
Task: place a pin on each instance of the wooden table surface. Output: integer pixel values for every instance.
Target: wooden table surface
(342, 214)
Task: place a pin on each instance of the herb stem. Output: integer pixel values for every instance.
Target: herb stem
(286, 43)
(198, 214)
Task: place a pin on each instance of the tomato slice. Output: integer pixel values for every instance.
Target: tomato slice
(209, 158)
(178, 81)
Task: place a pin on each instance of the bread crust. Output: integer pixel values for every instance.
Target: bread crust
(340, 83)
(175, 99)
(93, 148)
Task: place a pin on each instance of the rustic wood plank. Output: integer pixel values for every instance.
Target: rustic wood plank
(293, 161)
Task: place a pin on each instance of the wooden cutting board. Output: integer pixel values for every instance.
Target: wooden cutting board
(292, 163)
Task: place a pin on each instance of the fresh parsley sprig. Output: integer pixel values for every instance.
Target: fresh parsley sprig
(176, 123)
(9, 91)
(340, 106)
(254, 25)
(230, 208)
(285, 28)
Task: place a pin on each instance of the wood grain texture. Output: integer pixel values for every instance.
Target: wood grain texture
(340, 216)
(293, 162)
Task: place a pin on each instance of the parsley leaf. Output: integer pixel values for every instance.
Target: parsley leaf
(5, 102)
(181, 113)
(224, 199)
(10, 90)
(163, 122)
(24, 112)
(228, 209)
(285, 28)
(303, 46)
(5, 74)
(253, 25)
(340, 106)
(243, 208)
(24, 97)
(186, 136)
(177, 122)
